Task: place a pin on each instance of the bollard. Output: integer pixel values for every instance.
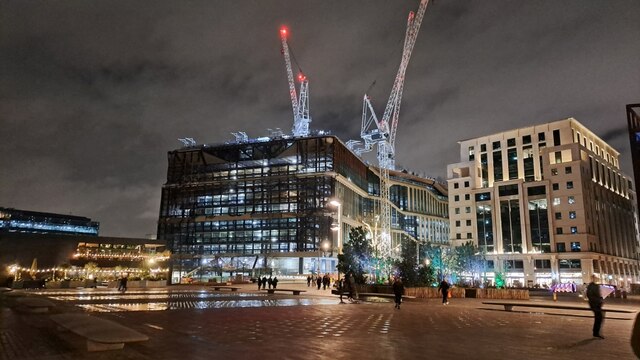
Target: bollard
(555, 296)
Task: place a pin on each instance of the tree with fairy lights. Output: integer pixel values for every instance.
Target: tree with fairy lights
(356, 255)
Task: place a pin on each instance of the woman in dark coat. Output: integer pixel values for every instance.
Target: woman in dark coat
(398, 291)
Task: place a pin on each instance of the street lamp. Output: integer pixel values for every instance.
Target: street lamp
(338, 228)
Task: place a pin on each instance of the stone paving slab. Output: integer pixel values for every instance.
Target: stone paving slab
(465, 329)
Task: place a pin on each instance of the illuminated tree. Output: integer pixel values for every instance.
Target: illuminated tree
(356, 255)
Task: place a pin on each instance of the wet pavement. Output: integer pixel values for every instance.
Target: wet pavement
(199, 323)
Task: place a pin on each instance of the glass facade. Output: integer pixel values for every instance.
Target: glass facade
(23, 221)
(259, 200)
(511, 226)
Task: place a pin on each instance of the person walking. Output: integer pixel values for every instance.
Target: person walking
(341, 289)
(264, 282)
(259, 282)
(353, 291)
(595, 303)
(398, 291)
(309, 281)
(275, 282)
(319, 281)
(444, 288)
(270, 281)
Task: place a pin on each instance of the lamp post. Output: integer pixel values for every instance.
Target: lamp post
(338, 228)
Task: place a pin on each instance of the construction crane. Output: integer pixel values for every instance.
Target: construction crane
(383, 132)
(300, 105)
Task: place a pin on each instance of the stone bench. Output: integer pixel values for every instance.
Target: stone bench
(294, 291)
(34, 305)
(509, 305)
(222, 287)
(101, 334)
(382, 295)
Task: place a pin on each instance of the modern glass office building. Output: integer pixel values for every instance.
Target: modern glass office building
(265, 206)
(546, 204)
(23, 221)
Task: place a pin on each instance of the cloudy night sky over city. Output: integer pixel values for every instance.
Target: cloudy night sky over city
(93, 94)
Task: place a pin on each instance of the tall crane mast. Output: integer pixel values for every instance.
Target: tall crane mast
(300, 105)
(384, 132)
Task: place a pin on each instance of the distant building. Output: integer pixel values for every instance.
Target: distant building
(546, 204)
(265, 206)
(24, 221)
(50, 251)
(633, 122)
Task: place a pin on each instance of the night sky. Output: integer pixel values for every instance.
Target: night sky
(94, 93)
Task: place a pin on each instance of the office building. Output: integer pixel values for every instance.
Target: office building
(282, 205)
(24, 221)
(545, 204)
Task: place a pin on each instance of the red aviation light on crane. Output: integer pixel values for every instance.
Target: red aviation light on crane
(301, 77)
(283, 31)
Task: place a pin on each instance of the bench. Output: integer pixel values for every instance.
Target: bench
(508, 306)
(383, 295)
(34, 305)
(222, 287)
(101, 334)
(294, 291)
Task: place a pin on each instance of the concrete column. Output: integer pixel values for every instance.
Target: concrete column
(587, 270)
(529, 271)
(300, 266)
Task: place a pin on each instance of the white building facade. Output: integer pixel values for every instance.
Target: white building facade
(545, 204)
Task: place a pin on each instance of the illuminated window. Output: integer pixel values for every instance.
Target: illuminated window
(572, 200)
(554, 171)
(574, 229)
(575, 246)
(556, 201)
(572, 214)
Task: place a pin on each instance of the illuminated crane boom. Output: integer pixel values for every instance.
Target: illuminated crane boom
(300, 105)
(384, 132)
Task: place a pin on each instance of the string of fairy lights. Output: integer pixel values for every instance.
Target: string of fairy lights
(17, 268)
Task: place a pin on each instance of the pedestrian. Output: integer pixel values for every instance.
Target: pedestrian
(259, 282)
(325, 280)
(275, 282)
(308, 280)
(595, 303)
(444, 288)
(123, 283)
(319, 282)
(353, 291)
(264, 282)
(398, 291)
(341, 289)
(270, 281)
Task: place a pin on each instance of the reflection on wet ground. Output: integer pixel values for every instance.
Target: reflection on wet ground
(178, 305)
(111, 300)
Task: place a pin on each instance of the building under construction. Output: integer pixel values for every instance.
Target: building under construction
(283, 206)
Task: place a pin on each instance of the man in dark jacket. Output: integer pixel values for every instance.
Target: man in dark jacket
(595, 303)
(398, 290)
(444, 288)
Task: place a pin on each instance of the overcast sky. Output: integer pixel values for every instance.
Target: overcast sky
(94, 93)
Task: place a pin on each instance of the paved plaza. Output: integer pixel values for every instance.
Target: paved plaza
(198, 323)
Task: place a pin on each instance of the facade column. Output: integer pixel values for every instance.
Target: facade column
(529, 272)
(587, 270)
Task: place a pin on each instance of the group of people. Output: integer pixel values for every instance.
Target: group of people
(271, 281)
(348, 285)
(324, 281)
(122, 283)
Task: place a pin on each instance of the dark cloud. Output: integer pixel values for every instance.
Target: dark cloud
(94, 94)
